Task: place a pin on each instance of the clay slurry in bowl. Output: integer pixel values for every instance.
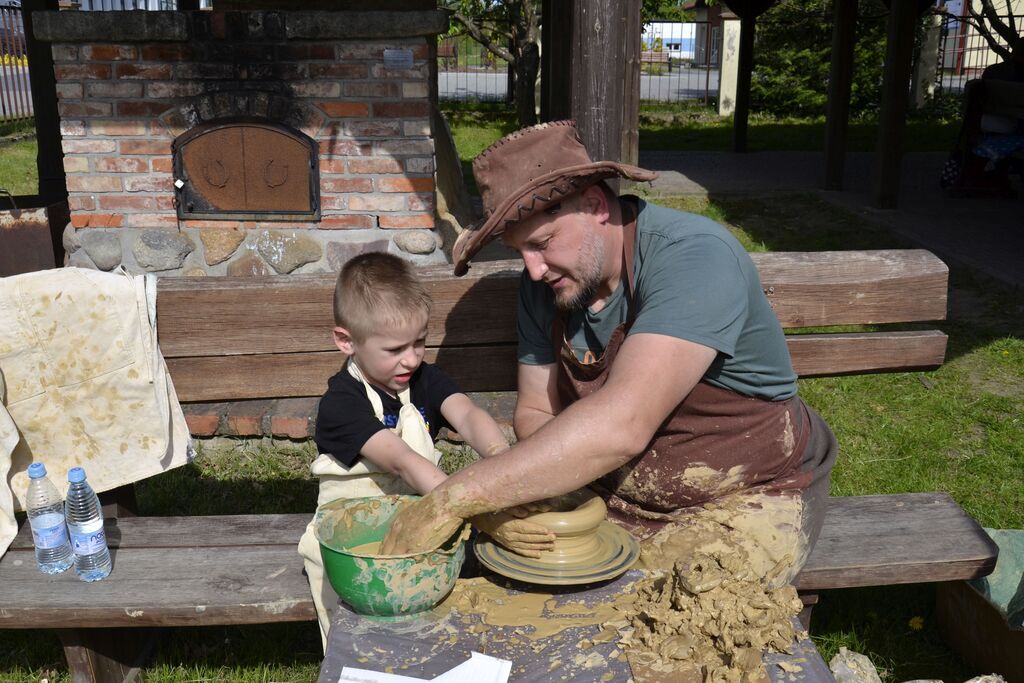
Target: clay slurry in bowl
(588, 548)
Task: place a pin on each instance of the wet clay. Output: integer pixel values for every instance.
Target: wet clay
(713, 598)
(710, 614)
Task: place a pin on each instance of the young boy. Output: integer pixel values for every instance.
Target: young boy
(377, 423)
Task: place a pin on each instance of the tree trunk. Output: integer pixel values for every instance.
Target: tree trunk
(527, 65)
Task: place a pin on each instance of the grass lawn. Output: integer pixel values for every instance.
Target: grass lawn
(18, 172)
(957, 429)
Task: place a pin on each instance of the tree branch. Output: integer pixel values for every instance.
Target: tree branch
(482, 35)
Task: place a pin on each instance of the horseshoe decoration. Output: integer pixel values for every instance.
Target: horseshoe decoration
(216, 174)
(275, 176)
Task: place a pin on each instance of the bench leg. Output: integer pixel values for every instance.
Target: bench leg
(809, 600)
(106, 655)
(119, 502)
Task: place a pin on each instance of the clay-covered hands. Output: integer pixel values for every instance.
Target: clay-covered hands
(421, 526)
(521, 537)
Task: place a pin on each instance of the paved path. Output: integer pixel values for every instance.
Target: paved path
(984, 233)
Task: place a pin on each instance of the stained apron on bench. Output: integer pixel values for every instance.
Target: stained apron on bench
(84, 383)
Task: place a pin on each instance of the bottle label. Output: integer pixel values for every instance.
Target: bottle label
(88, 538)
(48, 531)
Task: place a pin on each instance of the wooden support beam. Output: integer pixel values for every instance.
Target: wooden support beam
(837, 118)
(599, 74)
(748, 24)
(50, 155)
(895, 96)
(556, 60)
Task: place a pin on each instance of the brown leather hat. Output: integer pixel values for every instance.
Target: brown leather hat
(528, 171)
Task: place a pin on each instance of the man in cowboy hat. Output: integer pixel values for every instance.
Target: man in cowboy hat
(651, 366)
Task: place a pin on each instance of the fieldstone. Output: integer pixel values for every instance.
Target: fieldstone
(987, 678)
(853, 667)
(103, 248)
(162, 249)
(70, 239)
(220, 243)
(194, 272)
(249, 265)
(338, 253)
(416, 241)
(80, 259)
(285, 252)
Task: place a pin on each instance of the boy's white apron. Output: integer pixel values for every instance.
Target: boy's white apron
(362, 479)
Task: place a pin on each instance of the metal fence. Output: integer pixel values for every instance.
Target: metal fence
(687, 69)
(964, 52)
(466, 71)
(15, 92)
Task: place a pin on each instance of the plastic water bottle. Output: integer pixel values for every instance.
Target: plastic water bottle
(85, 522)
(46, 516)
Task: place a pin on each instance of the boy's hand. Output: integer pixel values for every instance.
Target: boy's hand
(523, 538)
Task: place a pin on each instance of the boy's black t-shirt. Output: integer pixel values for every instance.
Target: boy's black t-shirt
(345, 420)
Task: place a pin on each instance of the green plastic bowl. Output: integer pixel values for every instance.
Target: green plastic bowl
(392, 586)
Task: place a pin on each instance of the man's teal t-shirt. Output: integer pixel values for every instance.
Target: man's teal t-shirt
(694, 281)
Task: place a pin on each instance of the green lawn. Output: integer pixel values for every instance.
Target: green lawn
(18, 172)
(957, 429)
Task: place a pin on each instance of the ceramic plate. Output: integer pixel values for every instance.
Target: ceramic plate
(619, 550)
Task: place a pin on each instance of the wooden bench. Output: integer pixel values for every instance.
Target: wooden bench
(659, 57)
(270, 339)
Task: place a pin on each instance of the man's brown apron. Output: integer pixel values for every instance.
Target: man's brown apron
(717, 442)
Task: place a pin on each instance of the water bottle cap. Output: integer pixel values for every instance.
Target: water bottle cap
(36, 470)
(76, 474)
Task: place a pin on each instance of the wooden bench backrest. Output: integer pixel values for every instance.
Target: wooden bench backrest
(246, 338)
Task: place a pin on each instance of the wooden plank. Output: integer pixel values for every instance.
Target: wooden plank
(245, 569)
(292, 375)
(811, 289)
(239, 316)
(818, 355)
(207, 531)
(214, 316)
(493, 368)
(893, 539)
(161, 587)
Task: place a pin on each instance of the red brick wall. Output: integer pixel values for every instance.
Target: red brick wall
(122, 105)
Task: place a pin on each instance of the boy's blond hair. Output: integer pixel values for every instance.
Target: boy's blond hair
(378, 291)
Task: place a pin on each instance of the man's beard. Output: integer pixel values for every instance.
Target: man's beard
(588, 276)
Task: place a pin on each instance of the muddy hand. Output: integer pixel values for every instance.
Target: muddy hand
(420, 526)
(527, 509)
(523, 538)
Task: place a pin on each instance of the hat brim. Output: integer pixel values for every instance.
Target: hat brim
(536, 196)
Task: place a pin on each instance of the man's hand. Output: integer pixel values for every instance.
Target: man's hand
(521, 537)
(421, 526)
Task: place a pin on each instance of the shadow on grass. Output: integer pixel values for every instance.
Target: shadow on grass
(793, 136)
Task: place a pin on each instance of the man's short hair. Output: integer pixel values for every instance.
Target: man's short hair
(378, 291)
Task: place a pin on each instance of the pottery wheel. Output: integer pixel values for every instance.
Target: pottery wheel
(615, 551)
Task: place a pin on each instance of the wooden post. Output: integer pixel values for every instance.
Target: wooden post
(895, 94)
(50, 155)
(840, 80)
(633, 27)
(748, 23)
(599, 74)
(556, 60)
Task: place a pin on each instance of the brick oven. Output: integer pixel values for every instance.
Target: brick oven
(245, 142)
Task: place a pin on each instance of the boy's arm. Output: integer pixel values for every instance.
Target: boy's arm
(388, 452)
(474, 425)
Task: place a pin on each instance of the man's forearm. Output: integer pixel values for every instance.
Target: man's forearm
(591, 438)
(527, 421)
